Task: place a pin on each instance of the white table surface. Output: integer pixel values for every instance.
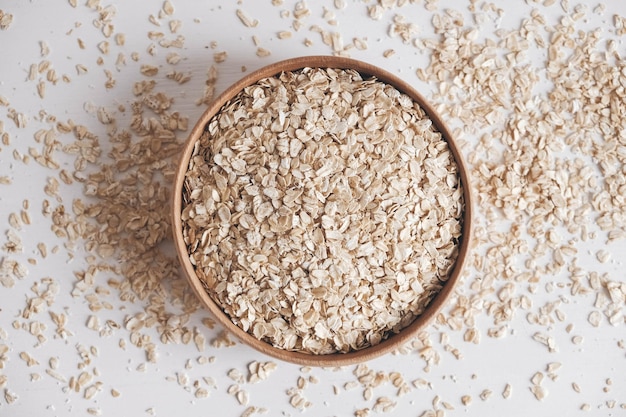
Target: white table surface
(597, 364)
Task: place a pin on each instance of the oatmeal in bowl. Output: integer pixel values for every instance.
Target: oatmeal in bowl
(322, 211)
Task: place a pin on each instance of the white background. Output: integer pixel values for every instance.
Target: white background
(148, 388)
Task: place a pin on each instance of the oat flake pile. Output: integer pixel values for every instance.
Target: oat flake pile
(96, 97)
(322, 211)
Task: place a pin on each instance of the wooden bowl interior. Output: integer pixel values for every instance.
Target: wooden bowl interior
(335, 359)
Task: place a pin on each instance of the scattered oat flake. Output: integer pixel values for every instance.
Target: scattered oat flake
(81, 69)
(92, 390)
(485, 394)
(44, 48)
(220, 57)
(173, 58)
(41, 89)
(120, 39)
(201, 393)
(9, 396)
(53, 362)
(104, 47)
(242, 397)
(149, 70)
(247, 21)
(30, 361)
(603, 256)
(368, 393)
(236, 375)
(5, 20)
(620, 24)
(262, 52)
(539, 392)
(506, 394)
(553, 366)
(595, 318)
(384, 404)
(251, 410)
(339, 4)
(168, 8)
(259, 371)
(175, 25)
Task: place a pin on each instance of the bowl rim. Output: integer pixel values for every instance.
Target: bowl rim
(333, 359)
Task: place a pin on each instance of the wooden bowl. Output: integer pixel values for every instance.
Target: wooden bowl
(334, 359)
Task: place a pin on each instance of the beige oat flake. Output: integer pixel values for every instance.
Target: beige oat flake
(246, 20)
(149, 70)
(5, 20)
(262, 52)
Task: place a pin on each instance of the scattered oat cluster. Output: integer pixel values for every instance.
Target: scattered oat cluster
(535, 93)
(322, 211)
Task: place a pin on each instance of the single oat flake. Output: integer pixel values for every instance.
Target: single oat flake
(5, 20)
(322, 211)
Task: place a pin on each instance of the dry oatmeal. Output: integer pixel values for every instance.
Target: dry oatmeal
(322, 211)
(544, 139)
